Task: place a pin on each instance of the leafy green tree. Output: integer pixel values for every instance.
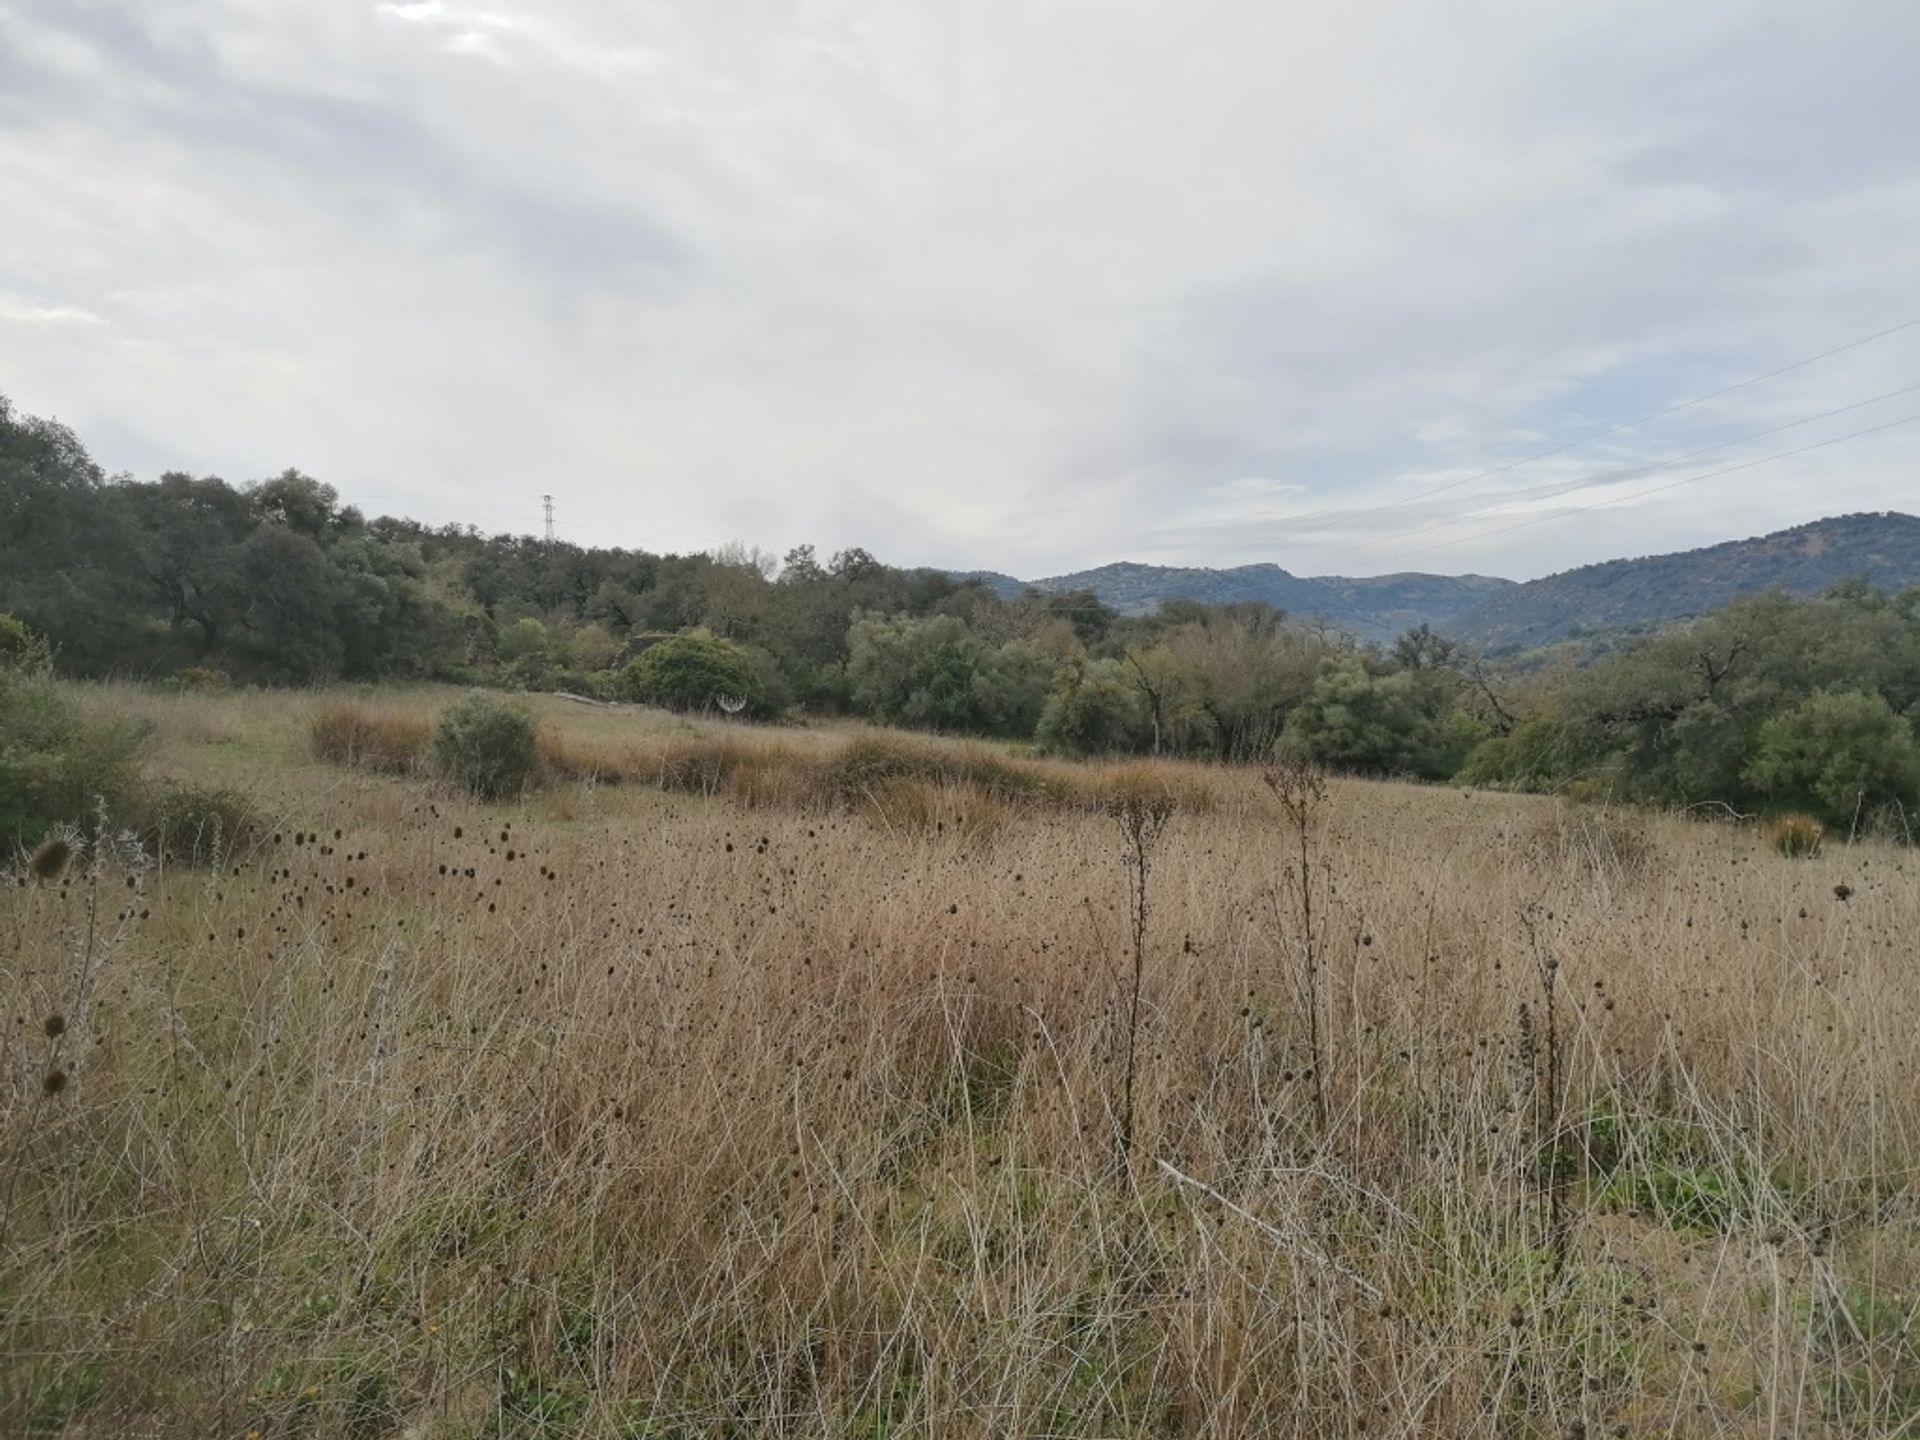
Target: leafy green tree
(1095, 709)
(1369, 724)
(191, 531)
(285, 596)
(391, 621)
(64, 547)
(524, 637)
(1678, 717)
(592, 647)
(1457, 734)
(1838, 754)
(1535, 755)
(1172, 693)
(301, 503)
(1243, 669)
(914, 672)
(1090, 618)
(1696, 755)
(772, 693)
(1010, 689)
(1421, 648)
(21, 651)
(800, 566)
(736, 591)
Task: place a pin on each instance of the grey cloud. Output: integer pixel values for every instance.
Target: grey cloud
(1016, 286)
(370, 157)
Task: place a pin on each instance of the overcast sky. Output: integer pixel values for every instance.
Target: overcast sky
(1015, 284)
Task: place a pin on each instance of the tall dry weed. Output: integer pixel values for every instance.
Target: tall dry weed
(387, 741)
(685, 1115)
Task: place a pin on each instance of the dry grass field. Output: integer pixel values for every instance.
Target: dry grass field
(710, 1099)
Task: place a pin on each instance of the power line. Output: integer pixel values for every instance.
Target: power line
(1657, 489)
(1614, 476)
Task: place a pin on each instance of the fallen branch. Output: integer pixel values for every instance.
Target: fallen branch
(1720, 804)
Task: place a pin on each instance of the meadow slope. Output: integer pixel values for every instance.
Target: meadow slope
(630, 1111)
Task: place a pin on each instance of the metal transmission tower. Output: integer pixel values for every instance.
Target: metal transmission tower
(546, 502)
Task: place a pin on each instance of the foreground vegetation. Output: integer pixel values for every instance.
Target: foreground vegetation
(774, 1107)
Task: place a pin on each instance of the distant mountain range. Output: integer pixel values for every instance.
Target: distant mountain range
(1883, 549)
(1502, 615)
(1375, 608)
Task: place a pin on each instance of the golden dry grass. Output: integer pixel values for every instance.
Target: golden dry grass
(393, 742)
(643, 1112)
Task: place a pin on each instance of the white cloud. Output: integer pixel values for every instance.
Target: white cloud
(1020, 286)
(18, 310)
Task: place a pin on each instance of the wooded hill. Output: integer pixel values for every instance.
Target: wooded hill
(1881, 549)
(1503, 617)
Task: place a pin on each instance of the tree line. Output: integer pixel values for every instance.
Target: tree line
(1771, 702)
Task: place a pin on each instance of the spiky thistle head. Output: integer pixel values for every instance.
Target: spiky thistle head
(50, 858)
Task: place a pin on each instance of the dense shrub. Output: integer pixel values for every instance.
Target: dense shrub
(535, 671)
(1837, 755)
(872, 761)
(1363, 723)
(1535, 755)
(193, 824)
(486, 746)
(693, 671)
(592, 647)
(937, 673)
(64, 770)
(1095, 709)
(21, 651)
(521, 639)
(58, 766)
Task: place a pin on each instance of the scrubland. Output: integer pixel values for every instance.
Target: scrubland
(731, 1086)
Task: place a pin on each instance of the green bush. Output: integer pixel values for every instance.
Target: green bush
(871, 761)
(486, 747)
(58, 766)
(692, 671)
(1837, 755)
(1366, 724)
(1095, 709)
(533, 671)
(21, 651)
(592, 647)
(521, 639)
(192, 824)
(1532, 757)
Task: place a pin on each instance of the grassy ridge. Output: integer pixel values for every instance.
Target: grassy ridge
(706, 1110)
